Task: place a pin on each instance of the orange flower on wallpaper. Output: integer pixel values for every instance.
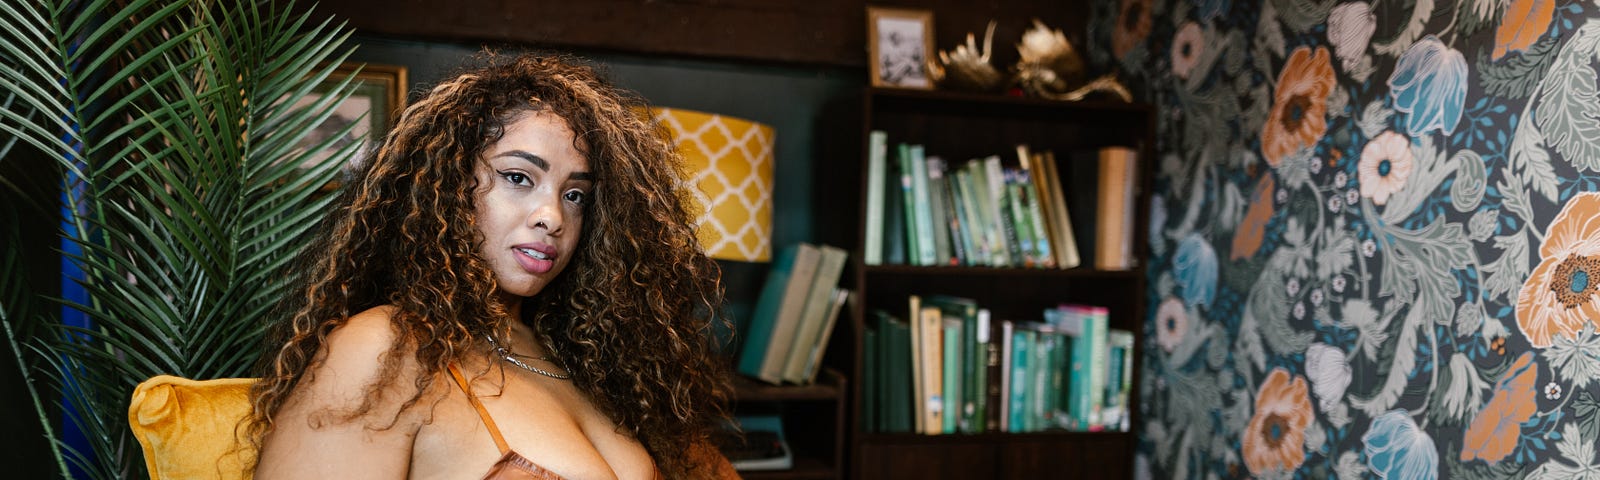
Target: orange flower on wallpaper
(1523, 23)
(1492, 435)
(1247, 238)
(1299, 109)
(1560, 296)
(1275, 438)
(1133, 24)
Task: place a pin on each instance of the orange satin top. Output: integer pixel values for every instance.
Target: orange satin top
(512, 466)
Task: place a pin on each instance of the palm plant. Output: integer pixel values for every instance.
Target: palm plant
(185, 194)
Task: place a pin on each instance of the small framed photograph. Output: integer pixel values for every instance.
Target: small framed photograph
(900, 42)
(378, 99)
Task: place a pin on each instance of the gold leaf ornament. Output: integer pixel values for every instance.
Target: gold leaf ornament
(1049, 67)
(967, 67)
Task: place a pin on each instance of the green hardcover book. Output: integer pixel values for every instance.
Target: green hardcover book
(894, 216)
(972, 226)
(1071, 321)
(953, 374)
(909, 204)
(927, 249)
(1002, 398)
(897, 369)
(1023, 231)
(1039, 366)
(869, 380)
(1097, 366)
(877, 169)
(959, 223)
(1021, 356)
(994, 174)
(1120, 380)
(939, 226)
(988, 385)
(1036, 223)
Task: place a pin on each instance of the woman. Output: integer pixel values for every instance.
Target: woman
(510, 289)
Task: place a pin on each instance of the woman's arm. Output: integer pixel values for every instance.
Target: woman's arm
(318, 432)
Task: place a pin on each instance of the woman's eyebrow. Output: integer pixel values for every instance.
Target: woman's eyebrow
(536, 160)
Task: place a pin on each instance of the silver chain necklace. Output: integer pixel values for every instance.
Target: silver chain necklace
(506, 354)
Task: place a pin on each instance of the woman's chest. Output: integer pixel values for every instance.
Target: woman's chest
(562, 435)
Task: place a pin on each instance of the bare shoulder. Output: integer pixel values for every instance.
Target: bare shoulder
(349, 410)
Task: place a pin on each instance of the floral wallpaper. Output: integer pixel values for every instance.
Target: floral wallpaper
(1375, 236)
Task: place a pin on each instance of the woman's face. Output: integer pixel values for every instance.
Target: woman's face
(533, 186)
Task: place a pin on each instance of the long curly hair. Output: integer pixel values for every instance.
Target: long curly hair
(631, 315)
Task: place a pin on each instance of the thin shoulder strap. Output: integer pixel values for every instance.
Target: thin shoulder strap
(483, 414)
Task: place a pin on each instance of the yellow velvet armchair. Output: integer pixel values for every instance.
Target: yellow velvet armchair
(188, 428)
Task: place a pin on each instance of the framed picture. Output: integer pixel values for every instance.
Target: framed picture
(900, 42)
(378, 99)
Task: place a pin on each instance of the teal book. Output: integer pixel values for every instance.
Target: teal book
(1021, 355)
(765, 315)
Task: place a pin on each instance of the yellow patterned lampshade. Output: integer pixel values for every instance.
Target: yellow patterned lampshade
(729, 162)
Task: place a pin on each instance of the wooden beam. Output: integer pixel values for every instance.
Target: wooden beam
(819, 32)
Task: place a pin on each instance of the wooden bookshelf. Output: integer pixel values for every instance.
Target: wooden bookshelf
(814, 419)
(958, 127)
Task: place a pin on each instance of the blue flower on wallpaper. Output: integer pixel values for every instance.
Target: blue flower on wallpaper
(1195, 268)
(1209, 10)
(1429, 85)
(1397, 450)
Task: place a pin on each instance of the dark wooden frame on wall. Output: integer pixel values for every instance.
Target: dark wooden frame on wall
(797, 32)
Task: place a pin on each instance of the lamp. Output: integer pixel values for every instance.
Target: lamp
(729, 162)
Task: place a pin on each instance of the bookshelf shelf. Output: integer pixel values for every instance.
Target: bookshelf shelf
(997, 438)
(826, 389)
(813, 419)
(958, 127)
(805, 468)
(1085, 273)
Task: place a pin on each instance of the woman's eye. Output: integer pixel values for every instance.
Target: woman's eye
(515, 178)
(577, 196)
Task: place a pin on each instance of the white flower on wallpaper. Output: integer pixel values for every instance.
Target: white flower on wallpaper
(1350, 28)
(1187, 46)
(1329, 373)
(1386, 163)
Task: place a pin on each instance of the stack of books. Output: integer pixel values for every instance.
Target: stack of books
(1000, 210)
(947, 367)
(794, 315)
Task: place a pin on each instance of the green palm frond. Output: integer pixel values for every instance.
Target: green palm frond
(176, 124)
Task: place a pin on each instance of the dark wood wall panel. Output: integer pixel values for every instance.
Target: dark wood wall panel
(819, 32)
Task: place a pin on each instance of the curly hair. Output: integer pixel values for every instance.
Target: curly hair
(631, 315)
